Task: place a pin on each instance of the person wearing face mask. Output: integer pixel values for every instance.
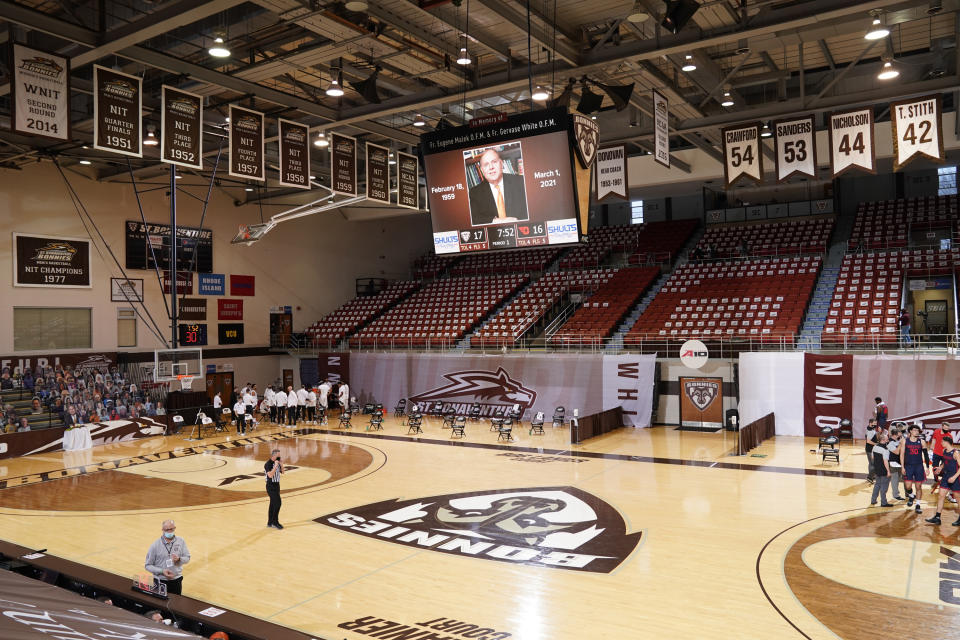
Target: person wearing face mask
(166, 557)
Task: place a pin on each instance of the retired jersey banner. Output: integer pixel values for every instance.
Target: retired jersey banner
(742, 157)
(181, 128)
(246, 144)
(611, 173)
(408, 181)
(851, 141)
(45, 261)
(917, 130)
(827, 391)
(294, 144)
(41, 93)
(795, 142)
(343, 164)
(378, 173)
(661, 129)
(701, 402)
(117, 112)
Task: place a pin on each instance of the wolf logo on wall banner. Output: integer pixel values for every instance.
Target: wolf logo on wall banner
(495, 391)
(701, 393)
(560, 527)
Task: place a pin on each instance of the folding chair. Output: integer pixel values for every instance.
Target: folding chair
(496, 423)
(400, 409)
(251, 424)
(475, 412)
(448, 419)
(177, 421)
(458, 428)
(413, 424)
(376, 422)
(830, 450)
(368, 408)
(536, 425)
(505, 432)
(226, 415)
(437, 411)
(826, 434)
(559, 417)
(516, 413)
(345, 420)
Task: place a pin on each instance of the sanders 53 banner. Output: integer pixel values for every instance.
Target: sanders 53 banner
(45, 261)
(41, 93)
(378, 173)
(246, 144)
(343, 164)
(851, 141)
(117, 109)
(181, 128)
(294, 141)
(742, 157)
(408, 181)
(661, 133)
(611, 173)
(917, 130)
(796, 147)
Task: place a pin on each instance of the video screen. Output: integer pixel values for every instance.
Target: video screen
(502, 184)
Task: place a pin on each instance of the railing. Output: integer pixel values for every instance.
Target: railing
(559, 321)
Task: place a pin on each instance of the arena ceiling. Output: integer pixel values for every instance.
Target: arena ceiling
(774, 58)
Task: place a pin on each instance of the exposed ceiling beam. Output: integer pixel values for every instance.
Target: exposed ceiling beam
(413, 29)
(485, 39)
(825, 50)
(847, 69)
(726, 79)
(513, 16)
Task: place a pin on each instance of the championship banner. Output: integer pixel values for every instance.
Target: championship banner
(246, 144)
(795, 146)
(378, 173)
(661, 129)
(612, 173)
(851, 141)
(117, 112)
(184, 282)
(41, 93)
(181, 128)
(45, 261)
(742, 156)
(343, 164)
(701, 402)
(294, 144)
(917, 130)
(408, 181)
(827, 391)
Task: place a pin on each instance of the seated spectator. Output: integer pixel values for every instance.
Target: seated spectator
(35, 406)
(24, 425)
(28, 380)
(6, 382)
(150, 409)
(161, 410)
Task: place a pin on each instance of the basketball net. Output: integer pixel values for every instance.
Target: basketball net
(186, 382)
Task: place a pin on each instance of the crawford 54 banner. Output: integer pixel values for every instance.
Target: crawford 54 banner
(378, 173)
(917, 130)
(851, 141)
(45, 261)
(246, 144)
(408, 181)
(181, 128)
(661, 132)
(796, 149)
(41, 93)
(611, 173)
(294, 141)
(343, 164)
(742, 157)
(117, 112)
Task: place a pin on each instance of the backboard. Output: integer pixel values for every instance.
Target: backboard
(170, 363)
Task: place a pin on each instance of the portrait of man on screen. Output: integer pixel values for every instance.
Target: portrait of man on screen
(498, 194)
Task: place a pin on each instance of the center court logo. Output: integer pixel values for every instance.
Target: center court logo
(495, 391)
(559, 527)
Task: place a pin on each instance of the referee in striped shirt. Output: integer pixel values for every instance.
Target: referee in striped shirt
(273, 468)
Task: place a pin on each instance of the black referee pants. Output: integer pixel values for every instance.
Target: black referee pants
(273, 511)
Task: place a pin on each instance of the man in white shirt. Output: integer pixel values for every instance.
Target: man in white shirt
(217, 401)
(238, 414)
(280, 399)
(269, 399)
(250, 401)
(324, 394)
(312, 406)
(344, 395)
(302, 403)
(291, 407)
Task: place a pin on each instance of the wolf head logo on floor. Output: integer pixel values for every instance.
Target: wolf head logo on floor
(700, 393)
(495, 392)
(560, 527)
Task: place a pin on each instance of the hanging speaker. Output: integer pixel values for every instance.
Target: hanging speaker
(563, 100)
(589, 101)
(368, 88)
(620, 94)
(678, 13)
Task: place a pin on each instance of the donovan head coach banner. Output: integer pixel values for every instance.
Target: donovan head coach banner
(588, 382)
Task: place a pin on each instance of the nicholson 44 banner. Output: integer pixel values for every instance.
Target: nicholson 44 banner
(611, 173)
(661, 132)
(41, 93)
(851, 141)
(408, 181)
(294, 140)
(181, 128)
(796, 149)
(917, 130)
(742, 156)
(343, 164)
(44, 261)
(378, 173)
(117, 111)
(246, 144)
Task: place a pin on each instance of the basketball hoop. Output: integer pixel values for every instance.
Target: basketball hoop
(186, 382)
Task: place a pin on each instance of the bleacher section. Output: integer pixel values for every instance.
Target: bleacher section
(653, 242)
(332, 328)
(790, 237)
(752, 299)
(440, 313)
(887, 224)
(520, 261)
(867, 300)
(534, 303)
(602, 312)
(431, 266)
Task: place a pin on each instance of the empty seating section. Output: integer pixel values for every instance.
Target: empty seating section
(534, 302)
(790, 237)
(867, 300)
(440, 313)
(522, 261)
(652, 242)
(354, 314)
(431, 266)
(887, 224)
(754, 299)
(604, 310)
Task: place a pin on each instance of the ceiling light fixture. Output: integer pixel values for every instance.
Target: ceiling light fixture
(766, 133)
(356, 6)
(540, 94)
(248, 189)
(313, 177)
(727, 100)
(464, 58)
(689, 65)
(151, 139)
(392, 161)
(321, 140)
(419, 121)
(84, 162)
(335, 90)
(888, 72)
(877, 29)
(637, 14)
(178, 177)
(219, 48)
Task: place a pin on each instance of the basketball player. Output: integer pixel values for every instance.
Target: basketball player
(937, 439)
(871, 441)
(895, 445)
(302, 403)
(291, 407)
(238, 412)
(280, 399)
(324, 394)
(881, 466)
(312, 406)
(949, 478)
(914, 456)
(268, 397)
